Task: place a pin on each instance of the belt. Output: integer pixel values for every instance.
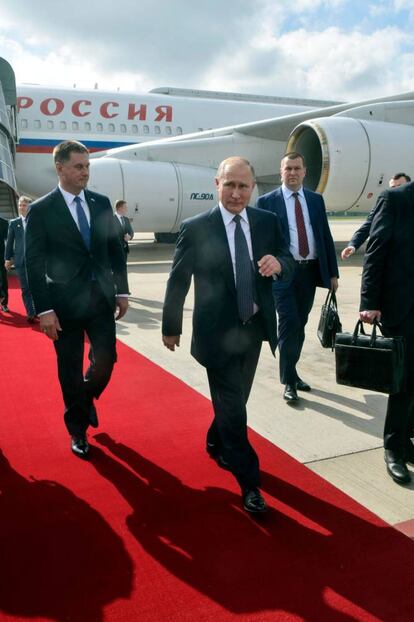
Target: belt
(305, 262)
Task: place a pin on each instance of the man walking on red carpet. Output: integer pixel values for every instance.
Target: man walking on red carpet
(232, 251)
(77, 276)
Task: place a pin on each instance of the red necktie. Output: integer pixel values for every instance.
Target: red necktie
(300, 225)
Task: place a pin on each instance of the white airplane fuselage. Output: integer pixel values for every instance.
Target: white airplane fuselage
(104, 121)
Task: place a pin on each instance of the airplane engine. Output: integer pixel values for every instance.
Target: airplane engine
(160, 195)
(351, 160)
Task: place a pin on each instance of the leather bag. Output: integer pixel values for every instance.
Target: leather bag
(372, 362)
(329, 322)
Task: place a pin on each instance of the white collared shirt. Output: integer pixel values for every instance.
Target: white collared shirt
(293, 232)
(24, 222)
(70, 202)
(230, 227)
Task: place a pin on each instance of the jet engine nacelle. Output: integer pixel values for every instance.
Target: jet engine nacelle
(351, 160)
(160, 195)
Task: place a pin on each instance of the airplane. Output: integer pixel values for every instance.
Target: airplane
(159, 151)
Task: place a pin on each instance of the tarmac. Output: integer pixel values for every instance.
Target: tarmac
(334, 430)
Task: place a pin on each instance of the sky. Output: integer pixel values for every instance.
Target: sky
(328, 49)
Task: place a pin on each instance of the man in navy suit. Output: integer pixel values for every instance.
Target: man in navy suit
(233, 251)
(305, 226)
(123, 224)
(77, 276)
(15, 249)
(362, 233)
(4, 290)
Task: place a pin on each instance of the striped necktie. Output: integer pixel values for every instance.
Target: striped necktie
(244, 273)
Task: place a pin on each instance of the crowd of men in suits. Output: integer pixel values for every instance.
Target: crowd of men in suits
(255, 272)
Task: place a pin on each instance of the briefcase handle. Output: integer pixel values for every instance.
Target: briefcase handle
(331, 299)
(359, 329)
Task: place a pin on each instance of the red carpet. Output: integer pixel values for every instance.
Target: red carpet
(150, 530)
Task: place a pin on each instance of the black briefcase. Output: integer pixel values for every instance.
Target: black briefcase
(371, 362)
(329, 322)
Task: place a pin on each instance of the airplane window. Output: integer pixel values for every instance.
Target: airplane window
(146, 129)
(23, 124)
(179, 130)
(157, 129)
(62, 125)
(87, 126)
(50, 125)
(99, 127)
(168, 130)
(37, 125)
(122, 127)
(134, 128)
(111, 127)
(75, 125)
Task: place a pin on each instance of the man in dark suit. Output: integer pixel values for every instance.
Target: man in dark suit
(362, 233)
(15, 250)
(4, 289)
(387, 294)
(232, 251)
(123, 224)
(305, 226)
(77, 275)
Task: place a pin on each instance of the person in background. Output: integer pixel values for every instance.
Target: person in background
(305, 226)
(123, 224)
(4, 289)
(362, 233)
(15, 253)
(233, 251)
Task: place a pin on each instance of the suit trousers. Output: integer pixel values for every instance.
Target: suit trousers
(4, 287)
(80, 390)
(399, 420)
(293, 305)
(230, 387)
(26, 295)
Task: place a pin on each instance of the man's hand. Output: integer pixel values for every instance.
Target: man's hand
(49, 325)
(334, 283)
(369, 316)
(347, 252)
(171, 341)
(121, 303)
(127, 237)
(269, 265)
(8, 264)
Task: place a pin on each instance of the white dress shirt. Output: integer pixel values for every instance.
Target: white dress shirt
(230, 227)
(293, 232)
(70, 202)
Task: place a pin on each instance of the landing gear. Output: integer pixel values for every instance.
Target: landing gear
(166, 238)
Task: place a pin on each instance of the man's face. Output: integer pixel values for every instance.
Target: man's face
(74, 173)
(123, 209)
(23, 208)
(235, 186)
(292, 173)
(394, 183)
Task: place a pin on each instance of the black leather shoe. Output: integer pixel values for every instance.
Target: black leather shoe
(80, 446)
(290, 394)
(31, 319)
(253, 501)
(409, 454)
(396, 468)
(302, 386)
(93, 417)
(5, 309)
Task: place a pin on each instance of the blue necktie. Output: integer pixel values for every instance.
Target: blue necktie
(84, 227)
(244, 273)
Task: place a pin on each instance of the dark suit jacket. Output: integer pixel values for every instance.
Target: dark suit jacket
(59, 266)
(362, 233)
(328, 266)
(203, 252)
(15, 242)
(122, 230)
(4, 225)
(388, 273)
